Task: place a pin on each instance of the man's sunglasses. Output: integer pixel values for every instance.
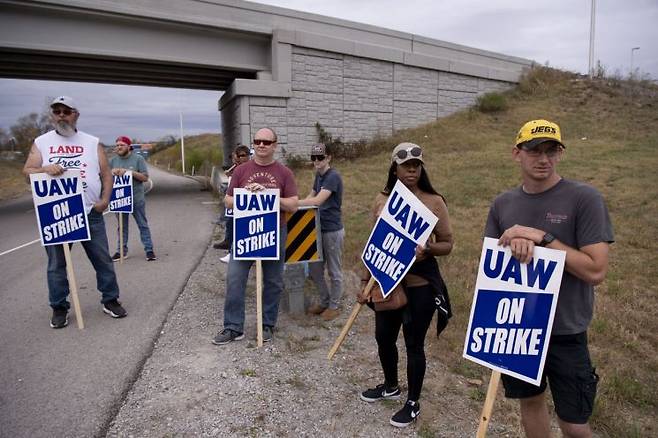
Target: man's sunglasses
(317, 157)
(550, 151)
(265, 142)
(414, 151)
(65, 111)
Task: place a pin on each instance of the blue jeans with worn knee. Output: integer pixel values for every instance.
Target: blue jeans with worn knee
(139, 213)
(99, 256)
(236, 285)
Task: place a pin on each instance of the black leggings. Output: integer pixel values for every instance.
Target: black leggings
(420, 310)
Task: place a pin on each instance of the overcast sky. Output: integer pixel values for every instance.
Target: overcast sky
(547, 31)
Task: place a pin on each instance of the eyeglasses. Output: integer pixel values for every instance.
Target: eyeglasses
(414, 151)
(65, 111)
(264, 142)
(550, 151)
(318, 157)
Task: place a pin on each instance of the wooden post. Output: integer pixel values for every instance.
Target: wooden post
(488, 404)
(73, 287)
(350, 321)
(259, 302)
(120, 238)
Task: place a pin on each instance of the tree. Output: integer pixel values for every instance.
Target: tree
(29, 127)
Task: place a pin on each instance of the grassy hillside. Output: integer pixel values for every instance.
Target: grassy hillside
(12, 180)
(609, 127)
(201, 152)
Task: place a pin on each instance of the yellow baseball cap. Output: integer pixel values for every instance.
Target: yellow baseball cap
(536, 132)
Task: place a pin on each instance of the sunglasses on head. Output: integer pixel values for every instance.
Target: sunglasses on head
(265, 142)
(414, 151)
(318, 157)
(65, 111)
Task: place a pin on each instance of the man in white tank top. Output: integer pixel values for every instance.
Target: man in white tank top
(54, 153)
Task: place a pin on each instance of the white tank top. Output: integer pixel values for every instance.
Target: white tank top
(79, 152)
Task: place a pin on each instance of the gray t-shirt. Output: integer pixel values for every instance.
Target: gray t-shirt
(330, 219)
(132, 162)
(576, 215)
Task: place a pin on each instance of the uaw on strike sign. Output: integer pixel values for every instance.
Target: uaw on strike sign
(513, 309)
(403, 224)
(59, 207)
(255, 225)
(121, 198)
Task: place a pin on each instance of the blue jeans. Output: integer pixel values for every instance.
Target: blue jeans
(99, 256)
(332, 251)
(228, 236)
(236, 285)
(139, 213)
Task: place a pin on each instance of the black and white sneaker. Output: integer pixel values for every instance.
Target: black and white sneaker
(114, 309)
(117, 256)
(407, 415)
(380, 392)
(150, 256)
(60, 318)
(226, 336)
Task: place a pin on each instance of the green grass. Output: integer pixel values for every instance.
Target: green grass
(612, 143)
(201, 153)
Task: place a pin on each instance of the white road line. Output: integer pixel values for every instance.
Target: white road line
(19, 247)
(29, 243)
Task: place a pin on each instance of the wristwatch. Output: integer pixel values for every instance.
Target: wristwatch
(548, 238)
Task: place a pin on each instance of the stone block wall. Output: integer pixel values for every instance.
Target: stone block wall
(358, 98)
(353, 98)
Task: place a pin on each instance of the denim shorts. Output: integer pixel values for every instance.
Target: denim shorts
(570, 374)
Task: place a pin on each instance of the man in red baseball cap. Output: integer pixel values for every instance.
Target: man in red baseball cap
(123, 161)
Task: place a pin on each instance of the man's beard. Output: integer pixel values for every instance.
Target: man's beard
(65, 129)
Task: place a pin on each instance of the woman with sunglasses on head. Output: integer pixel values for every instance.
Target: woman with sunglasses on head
(239, 156)
(423, 285)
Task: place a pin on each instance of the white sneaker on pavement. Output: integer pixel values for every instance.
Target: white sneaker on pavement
(226, 258)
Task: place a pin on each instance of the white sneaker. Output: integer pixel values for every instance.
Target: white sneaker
(226, 258)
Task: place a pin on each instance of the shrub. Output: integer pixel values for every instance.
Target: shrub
(491, 103)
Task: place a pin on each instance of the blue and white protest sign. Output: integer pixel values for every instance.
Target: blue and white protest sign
(513, 310)
(255, 225)
(403, 224)
(121, 199)
(59, 207)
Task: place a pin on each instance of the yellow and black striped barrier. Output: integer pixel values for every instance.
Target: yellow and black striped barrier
(303, 236)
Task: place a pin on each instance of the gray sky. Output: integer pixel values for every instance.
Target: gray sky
(553, 31)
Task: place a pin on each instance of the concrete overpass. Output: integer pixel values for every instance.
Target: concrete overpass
(278, 67)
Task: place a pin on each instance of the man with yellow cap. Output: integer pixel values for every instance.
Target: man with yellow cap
(550, 211)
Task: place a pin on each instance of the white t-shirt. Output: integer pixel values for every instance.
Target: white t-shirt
(79, 152)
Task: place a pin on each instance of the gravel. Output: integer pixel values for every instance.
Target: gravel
(190, 387)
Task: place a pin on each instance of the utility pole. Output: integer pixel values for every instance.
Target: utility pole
(182, 143)
(632, 51)
(591, 39)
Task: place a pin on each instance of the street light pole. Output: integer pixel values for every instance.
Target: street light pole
(591, 39)
(182, 143)
(632, 51)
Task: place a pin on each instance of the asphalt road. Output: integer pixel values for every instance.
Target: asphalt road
(70, 382)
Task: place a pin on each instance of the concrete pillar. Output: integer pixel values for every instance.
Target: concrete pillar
(293, 281)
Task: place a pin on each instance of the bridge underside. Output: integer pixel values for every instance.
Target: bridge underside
(60, 67)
